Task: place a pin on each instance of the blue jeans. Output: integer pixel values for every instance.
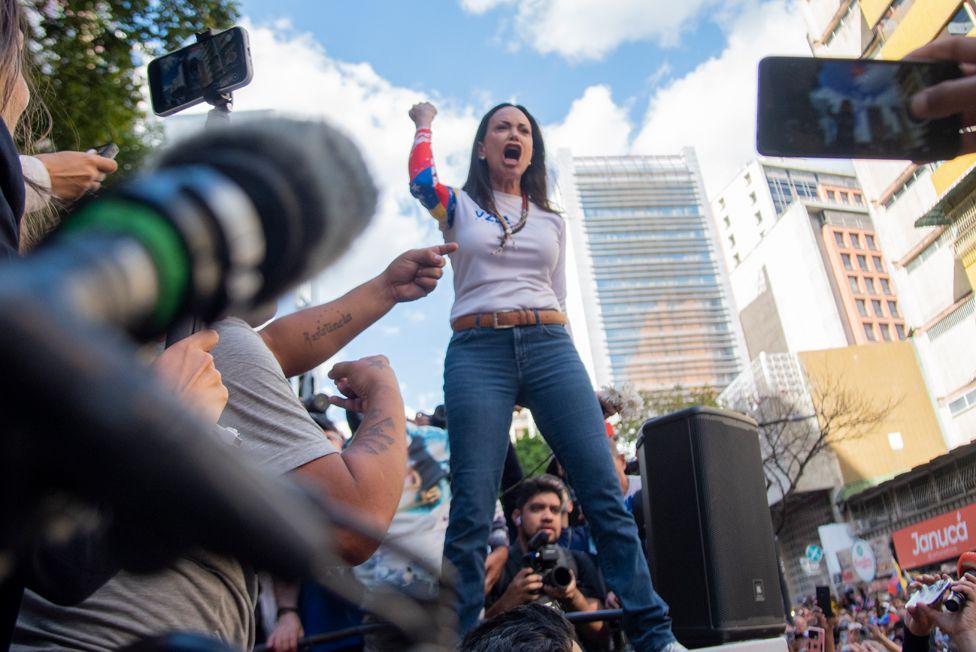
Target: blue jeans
(486, 373)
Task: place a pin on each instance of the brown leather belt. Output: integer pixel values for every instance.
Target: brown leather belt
(508, 319)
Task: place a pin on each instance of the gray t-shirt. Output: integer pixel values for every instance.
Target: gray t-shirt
(202, 592)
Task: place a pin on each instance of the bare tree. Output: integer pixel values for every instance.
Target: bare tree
(795, 427)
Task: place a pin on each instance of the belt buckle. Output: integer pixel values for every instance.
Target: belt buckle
(496, 325)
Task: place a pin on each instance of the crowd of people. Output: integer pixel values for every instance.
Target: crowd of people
(860, 622)
(565, 541)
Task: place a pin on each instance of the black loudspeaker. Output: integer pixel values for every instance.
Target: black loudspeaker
(709, 537)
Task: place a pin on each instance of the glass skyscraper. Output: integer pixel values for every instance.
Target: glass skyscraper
(655, 298)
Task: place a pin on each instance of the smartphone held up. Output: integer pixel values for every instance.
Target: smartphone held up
(851, 108)
(217, 63)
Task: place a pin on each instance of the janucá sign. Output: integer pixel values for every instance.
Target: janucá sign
(936, 539)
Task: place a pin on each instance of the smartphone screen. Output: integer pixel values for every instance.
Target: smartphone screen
(823, 601)
(817, 641)
(180, 79)
(851, 108)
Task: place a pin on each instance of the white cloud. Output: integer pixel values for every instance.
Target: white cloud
(481, 6)
(595, 125)
(415, 316)
(713, 108)
(589, 29)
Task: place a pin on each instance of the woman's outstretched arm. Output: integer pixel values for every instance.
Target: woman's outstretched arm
(424, 184)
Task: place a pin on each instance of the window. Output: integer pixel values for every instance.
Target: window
(831, 195)
(731, 240)
(752, 197)
(869, 286)
(861, 308)
(893, 309)
(885, 287)
(876, 306)
(736, 258)
(870, 240)
(846, 258)
(758, 217)
(721, 202)
(855, 241)
(960, 24)
(877, 264)
(862, 262)
(839, 239)
(869, 332)
(748, 177)
(859, 198)
(900, 330)
(852, 281)
(885, 332)
(728, 222)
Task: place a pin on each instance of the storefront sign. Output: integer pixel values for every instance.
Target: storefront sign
(936, 539)
(809, 567)
(862, 558)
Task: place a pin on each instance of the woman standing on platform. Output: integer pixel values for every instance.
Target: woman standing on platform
(511, 346)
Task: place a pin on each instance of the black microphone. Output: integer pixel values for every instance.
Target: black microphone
(226, 221)
(223, 222)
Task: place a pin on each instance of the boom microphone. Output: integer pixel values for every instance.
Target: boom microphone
(966, 564)
(226, 221)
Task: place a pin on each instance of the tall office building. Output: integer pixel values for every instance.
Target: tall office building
(655, 302)
(925, 215)
(807, 271)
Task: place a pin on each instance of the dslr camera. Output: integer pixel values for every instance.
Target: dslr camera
(547, 560)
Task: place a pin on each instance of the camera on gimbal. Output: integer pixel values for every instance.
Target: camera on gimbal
(547, 560)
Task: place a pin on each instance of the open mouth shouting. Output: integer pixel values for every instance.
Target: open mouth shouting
(512, 153)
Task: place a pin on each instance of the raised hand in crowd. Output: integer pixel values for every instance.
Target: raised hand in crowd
(956, 96)
(959, 625)
(919, 621)
(361, 381)
(877, 635)
(305, 339)
(413, 274)
(75, 173)
(187, 370)
(826, 624)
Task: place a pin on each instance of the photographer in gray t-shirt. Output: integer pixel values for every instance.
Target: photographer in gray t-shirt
(215, 595)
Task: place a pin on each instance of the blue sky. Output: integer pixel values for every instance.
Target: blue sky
(603, 77)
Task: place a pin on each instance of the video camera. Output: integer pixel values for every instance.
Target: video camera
(547, 560)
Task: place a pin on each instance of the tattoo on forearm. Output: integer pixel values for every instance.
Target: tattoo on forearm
(376, 437)
(321, 330)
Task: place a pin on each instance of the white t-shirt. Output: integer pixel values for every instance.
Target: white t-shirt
(530, 272)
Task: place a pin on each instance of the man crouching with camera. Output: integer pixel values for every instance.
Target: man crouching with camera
(538, 570)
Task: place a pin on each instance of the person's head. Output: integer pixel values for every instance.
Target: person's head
(539, 507)
(329, 429)
(508, 146)
(529, 628)
(14, 93)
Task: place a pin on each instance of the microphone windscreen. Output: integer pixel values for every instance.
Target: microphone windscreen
(307, 181)
(967, 562)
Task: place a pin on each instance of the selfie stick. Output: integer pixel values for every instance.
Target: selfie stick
(218, 116)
